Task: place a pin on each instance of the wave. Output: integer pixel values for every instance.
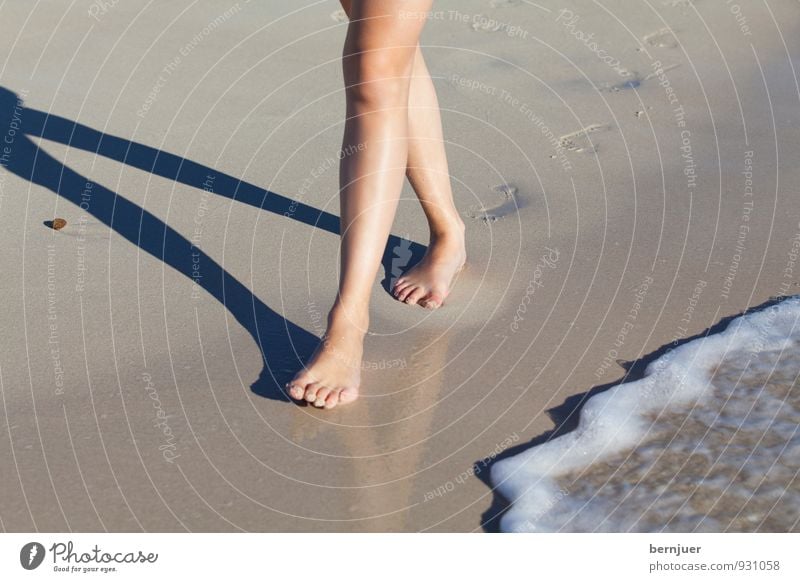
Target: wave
(707, 440)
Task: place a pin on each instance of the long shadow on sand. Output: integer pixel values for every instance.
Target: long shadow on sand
(566, 416)
(284, 345)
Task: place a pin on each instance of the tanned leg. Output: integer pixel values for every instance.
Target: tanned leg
(378, 60)
(429, 282)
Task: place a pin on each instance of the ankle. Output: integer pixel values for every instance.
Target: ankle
(347, 319)
(452, 228)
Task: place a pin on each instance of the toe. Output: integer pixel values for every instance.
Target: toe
(297, 387)
(321, 397)
(332, 400)
(401, 282)
(401, 296)
(413, 297)
(432, 301)
(294, 391)
(399, 289)
(347, 395)
(311, 392)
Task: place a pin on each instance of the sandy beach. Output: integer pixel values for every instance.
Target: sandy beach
(627, 173)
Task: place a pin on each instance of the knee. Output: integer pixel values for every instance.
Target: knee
(377, 79)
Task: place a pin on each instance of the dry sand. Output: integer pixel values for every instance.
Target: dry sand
(132, 400)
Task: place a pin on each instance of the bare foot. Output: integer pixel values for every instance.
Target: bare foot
(428, 283)
(333, 374)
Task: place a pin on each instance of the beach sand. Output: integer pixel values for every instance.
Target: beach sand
(628, 177)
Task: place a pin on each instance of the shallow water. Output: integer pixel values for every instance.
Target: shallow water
(709, 440)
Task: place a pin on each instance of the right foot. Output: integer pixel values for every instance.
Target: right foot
(333, 374)
(428, 283)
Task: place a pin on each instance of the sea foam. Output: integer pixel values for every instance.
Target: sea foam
(707, 440)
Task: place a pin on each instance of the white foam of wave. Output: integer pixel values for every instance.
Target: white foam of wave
(621, 419)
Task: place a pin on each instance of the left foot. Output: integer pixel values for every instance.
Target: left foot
(333, 375)
(428, 283)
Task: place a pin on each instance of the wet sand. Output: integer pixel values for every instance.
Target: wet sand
(627, 178)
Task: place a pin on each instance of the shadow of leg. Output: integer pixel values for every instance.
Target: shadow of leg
(399, 254)
(283, 344)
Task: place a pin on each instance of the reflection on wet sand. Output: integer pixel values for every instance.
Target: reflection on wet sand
(382, 444)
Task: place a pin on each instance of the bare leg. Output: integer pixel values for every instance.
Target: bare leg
(377, 61)
(428, 283)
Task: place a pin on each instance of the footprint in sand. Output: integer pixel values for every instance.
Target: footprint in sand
(662, 38)
(635, 80)
(579, 141)
(509, 204)
(630, 83)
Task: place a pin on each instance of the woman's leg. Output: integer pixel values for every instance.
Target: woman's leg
(377, 62)
(428, 283)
